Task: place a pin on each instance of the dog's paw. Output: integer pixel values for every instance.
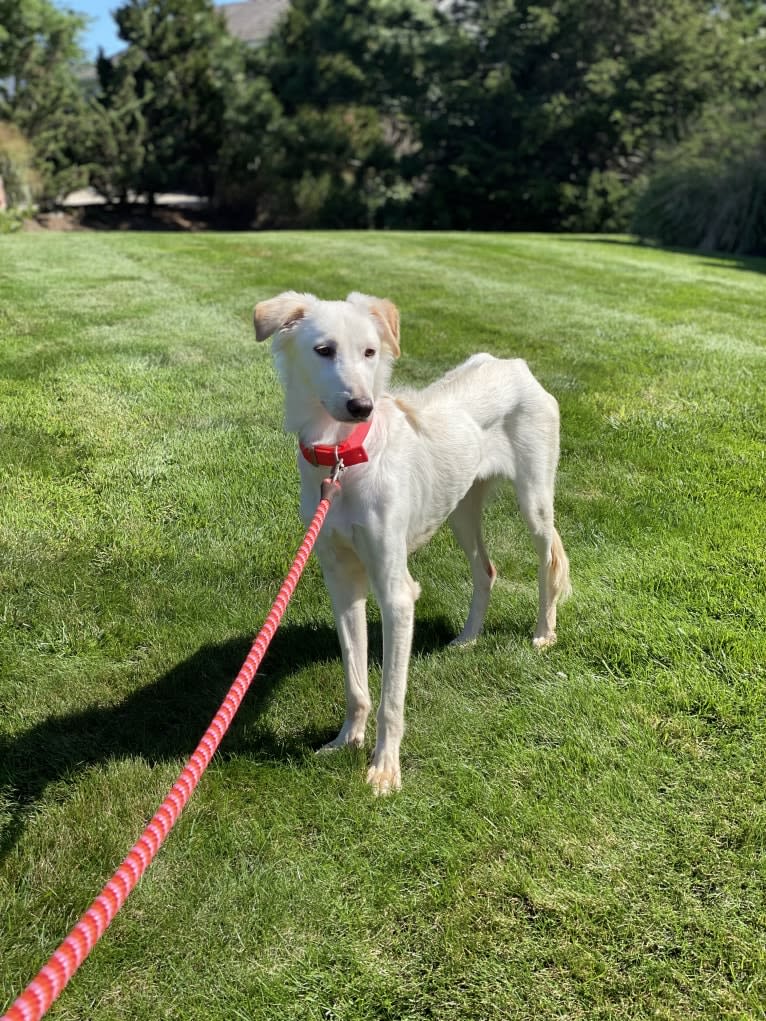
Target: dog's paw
(544, 641)
(463, 640)
(340, 742)
(384, 779)
(384, 775)
(350, 736)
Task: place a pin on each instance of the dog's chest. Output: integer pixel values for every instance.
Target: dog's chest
(382, 510)
(413, 481)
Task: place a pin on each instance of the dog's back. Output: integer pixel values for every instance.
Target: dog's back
(517, 417)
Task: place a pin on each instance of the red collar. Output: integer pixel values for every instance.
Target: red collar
(350, 451)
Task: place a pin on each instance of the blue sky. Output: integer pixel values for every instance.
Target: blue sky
(101, 30)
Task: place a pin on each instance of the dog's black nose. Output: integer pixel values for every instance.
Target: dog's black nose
(359, 407)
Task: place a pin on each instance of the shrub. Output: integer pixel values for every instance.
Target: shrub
(12, 220)
(604, 203)
(709, 192)
(20, 180)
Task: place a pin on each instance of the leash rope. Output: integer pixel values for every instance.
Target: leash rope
(53, 977)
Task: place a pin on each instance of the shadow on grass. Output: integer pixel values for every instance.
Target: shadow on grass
(164, 720)
(720, 260)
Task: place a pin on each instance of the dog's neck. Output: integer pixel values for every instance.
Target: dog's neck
(315, 425)
(350, 452)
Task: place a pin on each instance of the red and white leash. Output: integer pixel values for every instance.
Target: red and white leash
(52, 978)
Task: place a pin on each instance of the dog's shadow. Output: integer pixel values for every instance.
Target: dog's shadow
(164, 720)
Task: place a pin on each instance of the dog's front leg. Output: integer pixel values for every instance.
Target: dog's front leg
(396, 594)
(346, 581)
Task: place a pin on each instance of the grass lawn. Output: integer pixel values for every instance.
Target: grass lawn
(580, 833)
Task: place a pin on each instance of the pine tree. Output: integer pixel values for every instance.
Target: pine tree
(118, 143)
(344, 72)
(166, 94)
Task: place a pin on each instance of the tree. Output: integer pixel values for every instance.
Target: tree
(39, 89)
(171, 83)
(542, 114)
(251, 151)
(117, 145)
(708, 190)
(344, 73)
(490, 113)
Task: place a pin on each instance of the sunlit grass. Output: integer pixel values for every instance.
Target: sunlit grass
(580, 834)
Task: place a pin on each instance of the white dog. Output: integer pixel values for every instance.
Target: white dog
(412, 461)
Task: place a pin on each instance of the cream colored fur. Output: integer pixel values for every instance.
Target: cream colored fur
(434, 456)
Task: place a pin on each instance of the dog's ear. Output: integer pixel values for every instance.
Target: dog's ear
(280, 313)
(385, 316)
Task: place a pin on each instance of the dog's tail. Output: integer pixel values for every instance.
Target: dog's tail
(558, 571)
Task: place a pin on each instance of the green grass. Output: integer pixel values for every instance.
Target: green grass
(580, 834)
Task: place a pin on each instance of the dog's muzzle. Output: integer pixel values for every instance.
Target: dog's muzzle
(360, 408)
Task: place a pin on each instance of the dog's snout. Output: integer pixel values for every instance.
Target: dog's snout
(359, 407)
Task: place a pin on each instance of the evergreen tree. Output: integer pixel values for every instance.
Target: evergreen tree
(40, 91)
(167, 93)
(542, 114)
(250, 157)
(117, 145)
(486, 113)
(344, 74)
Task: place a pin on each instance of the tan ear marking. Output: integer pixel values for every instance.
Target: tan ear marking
(389, 313)
(385, 316)
(279, 313)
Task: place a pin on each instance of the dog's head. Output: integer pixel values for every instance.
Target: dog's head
(333, 355)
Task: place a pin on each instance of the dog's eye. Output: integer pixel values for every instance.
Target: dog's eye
(325, 350)
(370, 352)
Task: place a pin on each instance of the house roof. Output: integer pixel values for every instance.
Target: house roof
(253, 20)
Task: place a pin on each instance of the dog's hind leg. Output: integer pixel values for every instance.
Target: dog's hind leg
(346, 581)
(533, 433)
(535, 497)
(465, 522)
